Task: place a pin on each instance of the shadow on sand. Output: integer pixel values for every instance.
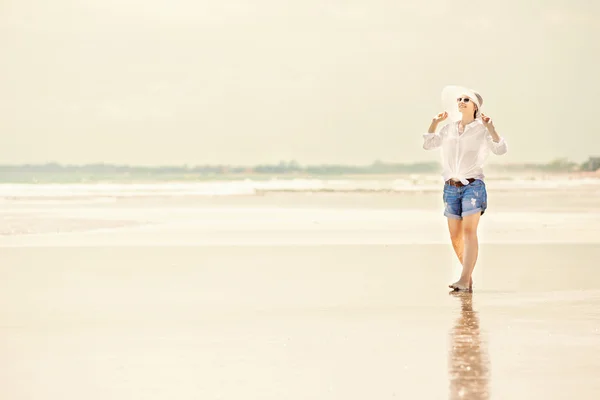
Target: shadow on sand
(469, 366)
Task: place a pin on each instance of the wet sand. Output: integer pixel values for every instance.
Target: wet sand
(298, 322)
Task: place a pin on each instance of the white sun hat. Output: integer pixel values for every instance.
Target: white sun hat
(452, 92)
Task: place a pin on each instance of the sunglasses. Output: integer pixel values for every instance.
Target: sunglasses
(463, 99)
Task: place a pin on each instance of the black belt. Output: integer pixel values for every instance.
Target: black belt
(458, 183)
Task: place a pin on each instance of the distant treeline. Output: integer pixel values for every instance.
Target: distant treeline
(282, 167)
(54, 172)
(557, 165)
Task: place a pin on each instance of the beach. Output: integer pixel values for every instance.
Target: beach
(296, 294)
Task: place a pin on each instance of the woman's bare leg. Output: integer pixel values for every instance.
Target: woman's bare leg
(456, 236)
(471, 248)
(455, 226)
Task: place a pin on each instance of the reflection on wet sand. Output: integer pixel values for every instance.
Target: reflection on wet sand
(469, 366)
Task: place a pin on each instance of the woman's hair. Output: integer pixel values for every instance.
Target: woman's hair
(480, 99)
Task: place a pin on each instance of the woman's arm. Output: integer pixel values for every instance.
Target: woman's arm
(432, 140)
(496, 143)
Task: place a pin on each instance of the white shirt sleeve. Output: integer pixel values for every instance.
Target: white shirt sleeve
(498, 148)
(434, 140)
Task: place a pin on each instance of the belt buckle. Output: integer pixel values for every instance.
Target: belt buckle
(458, 183)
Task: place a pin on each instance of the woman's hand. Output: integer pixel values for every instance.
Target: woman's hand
(489, 125)
(436, 120)
(440, 117)
(487, 122)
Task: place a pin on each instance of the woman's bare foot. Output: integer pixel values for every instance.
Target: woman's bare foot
(459, 285)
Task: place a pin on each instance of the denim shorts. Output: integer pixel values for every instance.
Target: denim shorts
(467, 200)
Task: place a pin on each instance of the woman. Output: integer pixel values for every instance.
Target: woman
(465, 143)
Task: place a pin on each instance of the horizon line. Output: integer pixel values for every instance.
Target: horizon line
(278, 163)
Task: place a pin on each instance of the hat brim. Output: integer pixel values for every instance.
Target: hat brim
(449, 95)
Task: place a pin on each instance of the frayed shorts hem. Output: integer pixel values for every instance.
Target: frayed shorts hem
(474, 211)
(465, 214)
(453, 216)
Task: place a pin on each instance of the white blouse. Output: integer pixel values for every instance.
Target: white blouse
(463, 154)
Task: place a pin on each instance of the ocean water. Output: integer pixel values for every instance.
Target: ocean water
(245, 187)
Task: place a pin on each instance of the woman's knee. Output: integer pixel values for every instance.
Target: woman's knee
(469, 232)
(469, 226)
(456, 236)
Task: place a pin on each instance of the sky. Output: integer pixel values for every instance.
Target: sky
(148, 82)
